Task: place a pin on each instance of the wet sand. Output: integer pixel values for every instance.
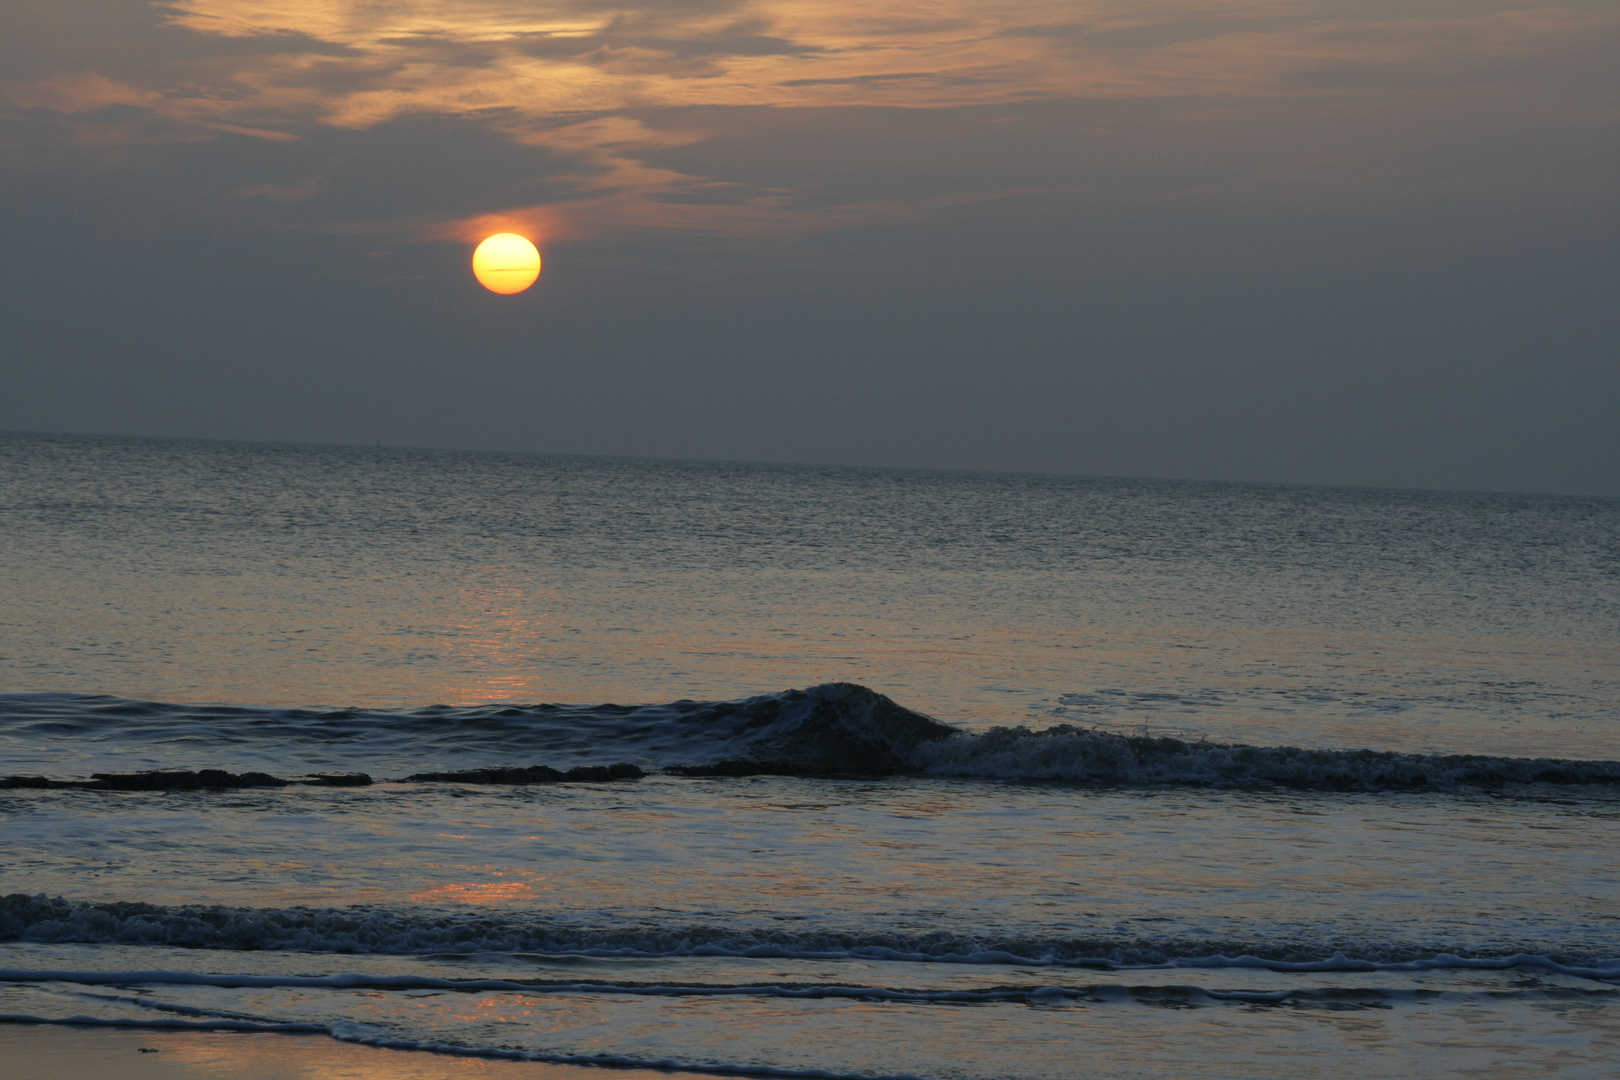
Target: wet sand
(60, 1052)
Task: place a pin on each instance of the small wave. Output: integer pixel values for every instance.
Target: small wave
(1085, 755)
(986, 995)
(388, 931)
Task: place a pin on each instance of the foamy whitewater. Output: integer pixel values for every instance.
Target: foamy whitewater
(787, 771)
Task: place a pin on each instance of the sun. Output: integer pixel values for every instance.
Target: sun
(506, 263)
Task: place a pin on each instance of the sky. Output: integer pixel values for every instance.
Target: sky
(1365, 242)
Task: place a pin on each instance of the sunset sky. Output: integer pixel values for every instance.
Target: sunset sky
(1337, 241)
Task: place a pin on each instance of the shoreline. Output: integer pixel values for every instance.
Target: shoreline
(93, 1052)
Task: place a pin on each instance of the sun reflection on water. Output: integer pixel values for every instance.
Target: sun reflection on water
(474, 892)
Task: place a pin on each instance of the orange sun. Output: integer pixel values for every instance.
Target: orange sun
(506, 263)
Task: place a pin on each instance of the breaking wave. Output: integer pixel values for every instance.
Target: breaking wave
(1100, 757)
(832, 728)
(835, 729)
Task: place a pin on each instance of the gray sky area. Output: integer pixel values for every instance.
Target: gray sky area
(1340, 241)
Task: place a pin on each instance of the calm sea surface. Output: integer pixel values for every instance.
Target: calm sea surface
(940, 775)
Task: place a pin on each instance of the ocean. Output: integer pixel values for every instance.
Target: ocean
(796, 771)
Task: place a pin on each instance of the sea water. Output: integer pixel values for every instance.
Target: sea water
(918, 774)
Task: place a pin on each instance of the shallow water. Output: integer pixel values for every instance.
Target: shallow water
(949, 899)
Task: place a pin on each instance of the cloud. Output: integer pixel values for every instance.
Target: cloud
(771, 118)
(1147, 34)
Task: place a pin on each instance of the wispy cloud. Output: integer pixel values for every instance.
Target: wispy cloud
(578, 78)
